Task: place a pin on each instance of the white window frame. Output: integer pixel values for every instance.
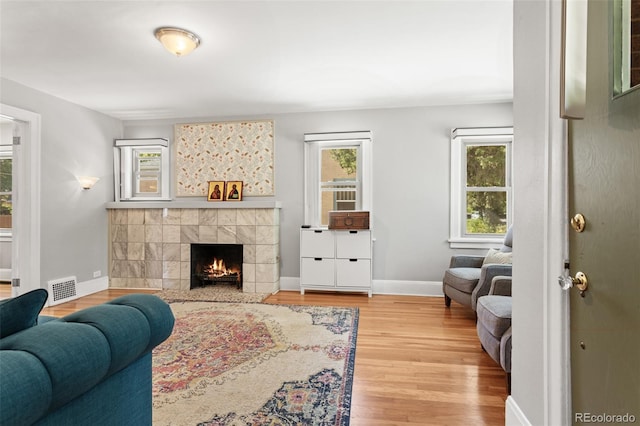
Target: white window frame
(315, 143)
(126, 171)
(460, 139)
(6, 151)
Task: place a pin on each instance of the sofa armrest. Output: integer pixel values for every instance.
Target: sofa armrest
(501, 285)
(70, 356)
(466, 261)
(487, 273)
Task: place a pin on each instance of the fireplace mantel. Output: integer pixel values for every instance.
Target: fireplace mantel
(195, 204)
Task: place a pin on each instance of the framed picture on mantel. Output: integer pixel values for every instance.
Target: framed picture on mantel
(216, 190)
(234, 190)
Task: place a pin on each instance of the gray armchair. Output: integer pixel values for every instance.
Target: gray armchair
(494, 324)
(468, 278)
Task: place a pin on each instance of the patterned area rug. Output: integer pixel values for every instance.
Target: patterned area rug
(255, 364)
(212, 293)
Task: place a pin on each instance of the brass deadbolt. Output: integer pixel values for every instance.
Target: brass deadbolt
(578, 222)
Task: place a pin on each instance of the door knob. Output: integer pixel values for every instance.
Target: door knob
(578, 222)
(579, 281)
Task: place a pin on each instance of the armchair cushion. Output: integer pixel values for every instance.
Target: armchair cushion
(462, 279)
(494, 313)
(495, 256)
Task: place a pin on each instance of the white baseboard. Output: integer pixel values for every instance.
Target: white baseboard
(391, 287)
(5, 274)
(85, 288)
(514, 415)
(408, 288)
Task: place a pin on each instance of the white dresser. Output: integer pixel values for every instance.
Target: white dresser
(335, 260)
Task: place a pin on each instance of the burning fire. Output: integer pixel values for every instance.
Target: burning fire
(218, 269)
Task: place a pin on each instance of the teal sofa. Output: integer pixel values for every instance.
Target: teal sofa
(92, 367)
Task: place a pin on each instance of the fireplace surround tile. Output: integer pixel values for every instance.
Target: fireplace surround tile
(152, 250)
(246, 216)
(153, 233)
(171, 233)
(208, 232)
(152, 216)
(207, 217)
(227, 234)
(135, 233)
(246, 234)
(227, 217)
(189, 217)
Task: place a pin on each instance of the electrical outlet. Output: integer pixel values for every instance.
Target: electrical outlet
(97, 274)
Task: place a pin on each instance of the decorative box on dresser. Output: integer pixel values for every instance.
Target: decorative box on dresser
(335, 260)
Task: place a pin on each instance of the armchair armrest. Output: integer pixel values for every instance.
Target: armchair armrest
(466, 261)
(487, 273)
(501, 285)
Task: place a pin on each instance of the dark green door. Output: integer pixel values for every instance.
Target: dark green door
(604, 179)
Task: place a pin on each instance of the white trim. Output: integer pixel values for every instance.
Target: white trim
(92, 286)
(388, 287)
(26, 244)
(556, 316)
(469, 136)
(408, 288)
(314, 144)
(5, 274)
(476, 243)
(513, 414)
(341, 136)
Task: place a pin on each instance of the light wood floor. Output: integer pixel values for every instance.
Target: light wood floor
(417, 362)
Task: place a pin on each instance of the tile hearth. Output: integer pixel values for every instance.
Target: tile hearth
(152, 250)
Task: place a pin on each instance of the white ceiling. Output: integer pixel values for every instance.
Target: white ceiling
(260, 57)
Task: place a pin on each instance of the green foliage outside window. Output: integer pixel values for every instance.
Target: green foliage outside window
(6, 182)
(486, 209)
(346, 158)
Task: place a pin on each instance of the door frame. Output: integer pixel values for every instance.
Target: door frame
(537, 123)
(26, 241)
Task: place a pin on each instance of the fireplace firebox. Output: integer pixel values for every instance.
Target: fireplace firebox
(216, 264)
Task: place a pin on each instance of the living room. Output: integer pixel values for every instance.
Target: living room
(411, 160)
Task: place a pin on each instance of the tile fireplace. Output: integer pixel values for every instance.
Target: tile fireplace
(150, 247)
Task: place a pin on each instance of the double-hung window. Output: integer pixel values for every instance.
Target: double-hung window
(141, 169)
(6, 190)
(337, 174)
(481, 191)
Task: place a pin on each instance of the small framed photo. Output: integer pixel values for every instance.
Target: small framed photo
(216, 190)
(234, 190)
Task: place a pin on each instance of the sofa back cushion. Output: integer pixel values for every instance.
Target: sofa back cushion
(21, 312)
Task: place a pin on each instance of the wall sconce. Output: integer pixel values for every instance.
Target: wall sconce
(87, 182)
(177, 41)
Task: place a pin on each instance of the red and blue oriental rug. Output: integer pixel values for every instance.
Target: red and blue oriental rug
(255, 364)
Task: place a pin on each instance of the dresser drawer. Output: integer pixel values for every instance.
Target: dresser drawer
(353, 273)
(317, 272)
(317, 243)
(353, 244)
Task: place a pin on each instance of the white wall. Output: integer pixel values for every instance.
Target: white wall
(75, 141)
(411, 178)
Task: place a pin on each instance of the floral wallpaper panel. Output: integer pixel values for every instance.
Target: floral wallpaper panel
(238, 150)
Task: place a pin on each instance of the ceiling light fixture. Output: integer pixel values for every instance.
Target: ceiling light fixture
(177, 41)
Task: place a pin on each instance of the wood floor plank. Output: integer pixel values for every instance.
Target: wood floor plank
(417, 362)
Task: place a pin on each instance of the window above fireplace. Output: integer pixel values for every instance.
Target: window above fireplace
(141, 169)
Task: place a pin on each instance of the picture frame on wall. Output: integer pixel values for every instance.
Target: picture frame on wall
(216, 190)
(233, 191)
